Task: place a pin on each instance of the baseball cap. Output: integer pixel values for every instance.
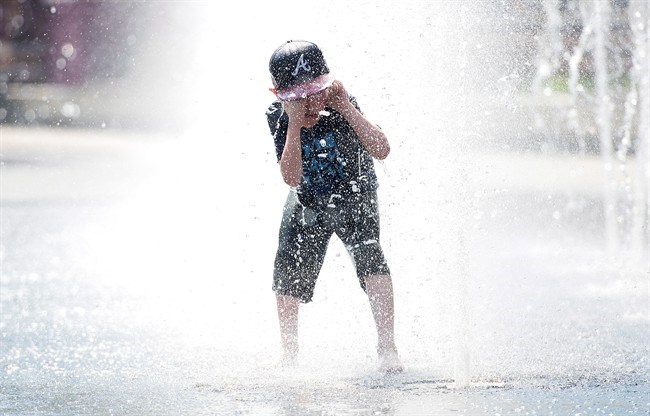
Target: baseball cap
(298, 70)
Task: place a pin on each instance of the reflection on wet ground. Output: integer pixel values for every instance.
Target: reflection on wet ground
(135, 281)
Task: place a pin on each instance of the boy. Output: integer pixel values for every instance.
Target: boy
(325, 147)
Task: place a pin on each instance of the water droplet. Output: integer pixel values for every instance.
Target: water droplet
(67, 50)
(70, 110)
(17, 22)
(30, 115)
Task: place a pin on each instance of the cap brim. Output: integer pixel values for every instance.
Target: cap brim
(304, 90)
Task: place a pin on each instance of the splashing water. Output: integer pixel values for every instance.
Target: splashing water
(136, 273)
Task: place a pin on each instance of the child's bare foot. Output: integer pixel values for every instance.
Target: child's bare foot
(389, 362)
(289, 359)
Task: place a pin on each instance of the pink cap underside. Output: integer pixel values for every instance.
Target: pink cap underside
(306, 89)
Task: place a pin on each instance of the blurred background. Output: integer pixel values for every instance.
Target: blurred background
(140, 199)
(548, 77)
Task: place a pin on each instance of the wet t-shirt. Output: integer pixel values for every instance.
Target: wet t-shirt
(334, 163)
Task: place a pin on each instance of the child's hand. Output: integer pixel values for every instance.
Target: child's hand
(338, 97)
(296, 111)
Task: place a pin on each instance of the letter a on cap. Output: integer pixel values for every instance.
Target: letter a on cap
(302, 64)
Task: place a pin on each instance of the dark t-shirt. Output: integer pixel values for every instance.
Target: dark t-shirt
(334, 163)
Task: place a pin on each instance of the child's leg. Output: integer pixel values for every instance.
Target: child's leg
(288, 307)
(301, 250)
(380, 294)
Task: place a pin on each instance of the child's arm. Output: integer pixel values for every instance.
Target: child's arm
(291, 160)
(372, 137)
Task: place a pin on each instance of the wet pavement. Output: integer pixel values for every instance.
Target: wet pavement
(136, 280)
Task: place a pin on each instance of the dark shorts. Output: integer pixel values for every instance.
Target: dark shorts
(305, 234)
